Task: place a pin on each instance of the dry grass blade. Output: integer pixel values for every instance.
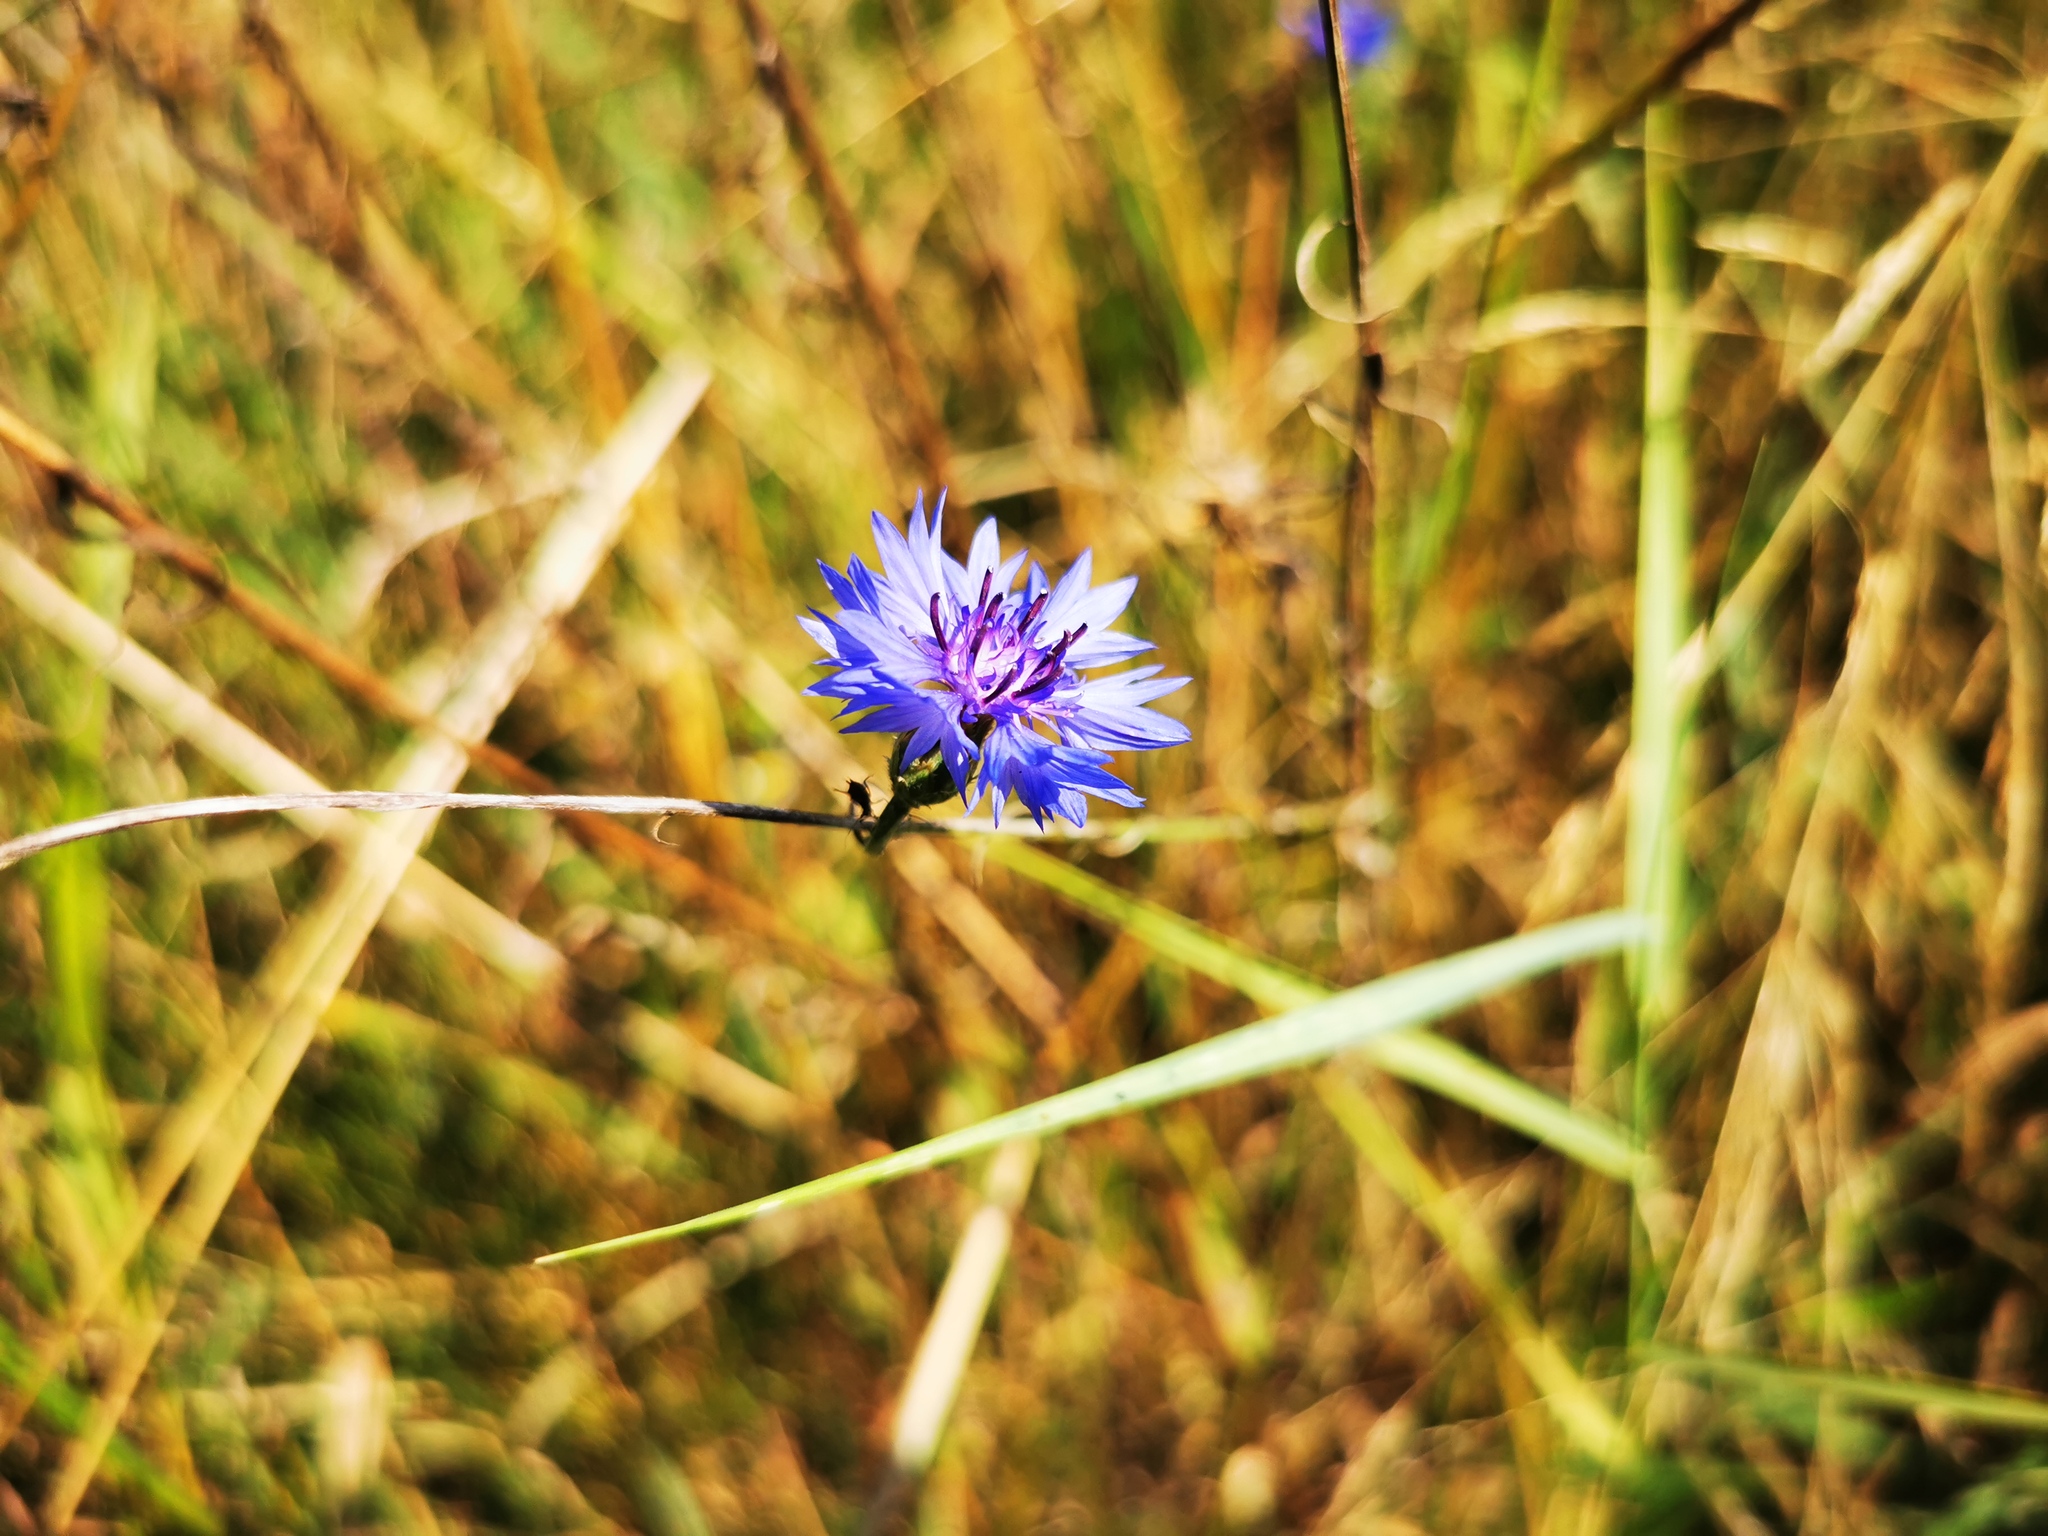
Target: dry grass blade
(1888, 274)
(314, 308)
(1847, 461)
(1655, 873)
(427, 898)
(2010, 939)
(677, 1058)
(222, 1118)
(1578, 1409)
(1668, 73)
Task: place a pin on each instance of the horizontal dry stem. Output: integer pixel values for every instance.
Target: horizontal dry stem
(32, 843)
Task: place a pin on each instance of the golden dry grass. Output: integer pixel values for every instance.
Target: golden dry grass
(1702, 576)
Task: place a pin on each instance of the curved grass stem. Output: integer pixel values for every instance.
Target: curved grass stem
(385, 800)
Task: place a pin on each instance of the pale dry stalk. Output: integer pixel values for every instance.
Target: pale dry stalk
(427, 900)
(300, 978)
(1790, 1064)
(2009, 947)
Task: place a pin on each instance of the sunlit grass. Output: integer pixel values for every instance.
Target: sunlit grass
(1700, 590)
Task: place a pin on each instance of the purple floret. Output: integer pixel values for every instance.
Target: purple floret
(959, 658)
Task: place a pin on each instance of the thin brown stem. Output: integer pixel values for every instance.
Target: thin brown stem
(1356, 532)
(63, 107)
(1527, 191)
(1262, 268)
(792, 98)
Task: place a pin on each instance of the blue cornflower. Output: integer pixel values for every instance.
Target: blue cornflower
(1365, 27)
(952, 658)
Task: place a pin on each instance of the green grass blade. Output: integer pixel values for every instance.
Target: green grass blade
(65, 1409)
(1449, 1070)
(1268, 982)
(1312, 1032)
(2021, 1410)
(1429, 1061)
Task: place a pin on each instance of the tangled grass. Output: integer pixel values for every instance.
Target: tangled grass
(441, 396)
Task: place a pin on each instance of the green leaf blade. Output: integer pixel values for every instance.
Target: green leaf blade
(1313, 1032)
(1429, 1061)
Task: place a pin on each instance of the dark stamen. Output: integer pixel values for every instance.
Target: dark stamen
(1031, 614)
(985, 612)
(1058, 653)
(1044, 674)
(1039, 684)
(1050, 664)
(938, 629)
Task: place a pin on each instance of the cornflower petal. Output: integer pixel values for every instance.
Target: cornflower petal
(985, 555)
(903, 590)
(1105, 649)
(925, 549)
(1070, 592)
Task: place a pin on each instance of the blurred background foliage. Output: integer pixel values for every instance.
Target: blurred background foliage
(344, 297)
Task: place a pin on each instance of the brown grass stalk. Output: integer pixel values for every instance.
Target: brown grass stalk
(2009, 946)
(785, 87)
(573, 292)
(57, 126)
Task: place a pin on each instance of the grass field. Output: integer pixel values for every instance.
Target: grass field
(1619, 769)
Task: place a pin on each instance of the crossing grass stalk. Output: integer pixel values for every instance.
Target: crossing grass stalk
(1699, 600)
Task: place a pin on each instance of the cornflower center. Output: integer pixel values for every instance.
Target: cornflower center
(992, 655)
